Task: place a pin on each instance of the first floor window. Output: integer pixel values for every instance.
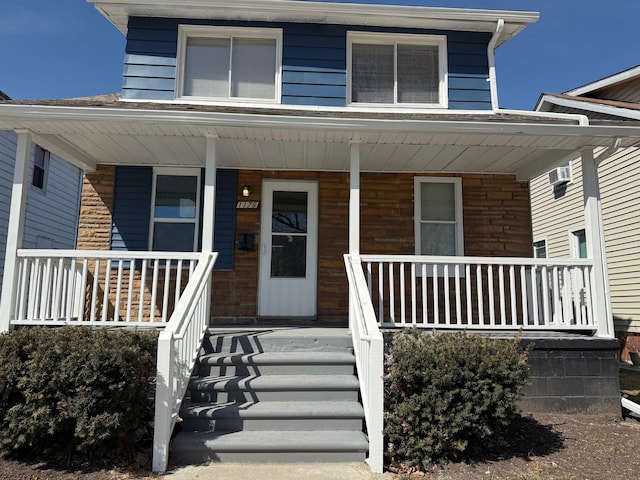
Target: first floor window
(175, 210)
(229, 63)
(579, 243)
(540, 249)
(438, 216)
(40, 165)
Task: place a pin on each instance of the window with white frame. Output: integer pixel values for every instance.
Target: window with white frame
(578, 239)
(438, 216)
(216, 63)
(401, 70)
(40, 166)
(540, 249)
(175, 210)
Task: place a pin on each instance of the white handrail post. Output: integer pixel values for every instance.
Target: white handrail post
(376, 406)
(595, 245)
(209, 208)
(15, 229)
(164, 402)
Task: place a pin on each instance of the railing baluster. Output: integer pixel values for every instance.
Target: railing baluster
(132, 273)
(45, 303)
(83, 289)
(447, 300)
(512, 290)
(523, 297)
(545, 295)
(116, 310)
(458, 295)
(107, 285)
(535, 300)
(402, 294)
(589, 303)
(381, 292)
(502, 295)
(143, 280)
(392, 307)
(22, 298)
(565, 299)
(94, 293)
(57, 296)
(71, 289)
(467, 271)
(577, 294)
(165, 296)
(436, 297)
(479, 294)
(492, 306)
(154, 289)
(557, 307)
(178, 282)
(413, 294)
(425, 302)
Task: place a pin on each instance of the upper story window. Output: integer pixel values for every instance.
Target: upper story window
(438, 216)
(400, 70)
(241, 64)
(40, 167)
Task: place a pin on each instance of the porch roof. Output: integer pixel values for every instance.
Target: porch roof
(105, 130)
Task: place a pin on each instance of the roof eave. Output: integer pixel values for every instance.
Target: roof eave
(118, 12)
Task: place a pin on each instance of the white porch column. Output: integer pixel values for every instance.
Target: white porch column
(208, 211)
(354, 198)
(15, 229)
(594, 232)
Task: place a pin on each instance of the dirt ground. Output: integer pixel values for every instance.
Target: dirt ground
(555, 447)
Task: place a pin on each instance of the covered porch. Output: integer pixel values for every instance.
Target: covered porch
(388, 283)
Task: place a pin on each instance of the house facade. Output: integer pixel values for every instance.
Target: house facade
(310, 163)
(53, 197)
(558, 227)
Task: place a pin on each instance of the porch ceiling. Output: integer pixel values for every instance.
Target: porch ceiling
(139, 137)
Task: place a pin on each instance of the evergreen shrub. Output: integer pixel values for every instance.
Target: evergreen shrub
(447, 396)
(73, 391)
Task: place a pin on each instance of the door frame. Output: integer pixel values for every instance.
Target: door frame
(265, 288)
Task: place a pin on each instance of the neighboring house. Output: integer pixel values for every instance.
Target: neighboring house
(53, 197)
(350, 166)
(558, 226)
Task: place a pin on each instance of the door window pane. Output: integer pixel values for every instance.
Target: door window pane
(289, 256)
(289, 212)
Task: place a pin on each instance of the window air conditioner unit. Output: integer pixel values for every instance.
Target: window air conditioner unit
(560, 175)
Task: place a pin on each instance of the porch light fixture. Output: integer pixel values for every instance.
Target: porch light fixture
(246, 190)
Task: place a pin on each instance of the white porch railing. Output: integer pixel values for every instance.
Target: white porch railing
(178, 348)
(369, 352)
(481, 293)
(99, 287)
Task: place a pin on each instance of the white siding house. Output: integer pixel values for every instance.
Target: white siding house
(53, 197)
(556, 210)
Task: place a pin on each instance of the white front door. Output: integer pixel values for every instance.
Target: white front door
(288, 249)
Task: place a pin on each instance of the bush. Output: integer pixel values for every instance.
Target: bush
(73, 390)
(447, 395)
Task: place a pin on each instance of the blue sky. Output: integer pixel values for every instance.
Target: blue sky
(65, 48)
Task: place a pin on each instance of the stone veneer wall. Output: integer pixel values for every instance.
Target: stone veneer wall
(496, 223)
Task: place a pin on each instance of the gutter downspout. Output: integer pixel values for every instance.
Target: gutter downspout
(491, 47)
(610, 150)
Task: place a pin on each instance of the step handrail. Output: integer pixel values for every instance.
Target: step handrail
(178, 347)
(368, 347)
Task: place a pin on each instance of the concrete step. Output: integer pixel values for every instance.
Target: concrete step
(261, 388)
(278, 340)
(231, 417)
(277, 363)
(269, 446)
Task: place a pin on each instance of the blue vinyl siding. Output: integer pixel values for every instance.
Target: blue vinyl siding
(132, 212)
(224, 229)
(131, 209)
(314, 69)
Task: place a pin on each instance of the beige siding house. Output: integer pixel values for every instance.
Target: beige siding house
(556, 209)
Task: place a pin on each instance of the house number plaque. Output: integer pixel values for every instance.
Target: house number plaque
(247, 204)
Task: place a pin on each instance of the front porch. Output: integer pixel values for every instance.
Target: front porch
(361, 220)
